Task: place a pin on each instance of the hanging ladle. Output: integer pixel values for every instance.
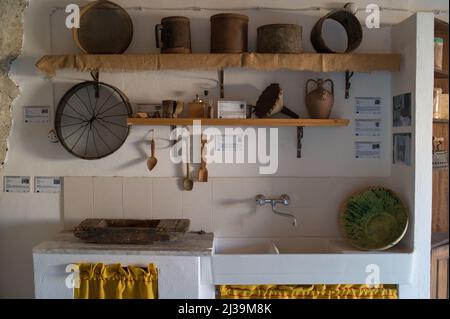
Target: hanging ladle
(188, 183)
(203, 172)
(152, 161)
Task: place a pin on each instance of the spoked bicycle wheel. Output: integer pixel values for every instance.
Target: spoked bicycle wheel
(91, 120)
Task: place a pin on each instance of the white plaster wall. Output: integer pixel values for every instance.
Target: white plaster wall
(327, 151)
(27, 219)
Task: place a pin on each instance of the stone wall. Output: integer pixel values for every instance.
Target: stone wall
(11, 36)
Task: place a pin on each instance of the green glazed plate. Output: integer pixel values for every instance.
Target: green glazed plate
(374, 219)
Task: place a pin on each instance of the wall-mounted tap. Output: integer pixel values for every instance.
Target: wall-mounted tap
(284, 199)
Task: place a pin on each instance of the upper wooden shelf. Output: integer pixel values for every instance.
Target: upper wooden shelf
(239, 122)
(315, 62)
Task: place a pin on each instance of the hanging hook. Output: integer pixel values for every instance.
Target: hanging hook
(348, 76)
(96, 77)
(150, 132)
(221, 83)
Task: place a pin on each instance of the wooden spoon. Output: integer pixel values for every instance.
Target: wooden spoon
(203, 171)
(188, 183)
(152, 161)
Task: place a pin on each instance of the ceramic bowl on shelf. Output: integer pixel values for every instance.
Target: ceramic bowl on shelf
(374, 219)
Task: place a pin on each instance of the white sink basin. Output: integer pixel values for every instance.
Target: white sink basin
(251, 246)
(227, 246)
(241, 261)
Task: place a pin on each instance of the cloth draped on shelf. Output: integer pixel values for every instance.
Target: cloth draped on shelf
(99, 281)
(308, 292)
(50, 64)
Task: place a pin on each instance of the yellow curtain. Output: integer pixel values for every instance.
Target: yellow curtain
(98, 281)
(308, 292)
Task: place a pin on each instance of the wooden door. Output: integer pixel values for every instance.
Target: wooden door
(439, 272)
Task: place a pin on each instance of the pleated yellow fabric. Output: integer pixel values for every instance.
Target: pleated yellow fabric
(308, 292)
(99, 281)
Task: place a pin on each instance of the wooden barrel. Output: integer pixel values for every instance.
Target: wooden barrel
(105, 28)
(280, 38)
(229, 33)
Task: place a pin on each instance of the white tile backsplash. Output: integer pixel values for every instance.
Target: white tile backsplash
(200, 218)
(225, 206)
(137, 198)
(199, 196)
(315, 220)
(166, 198)
(310, 191)
(108, 198)
(197, 206)
(230, 204)
(257, 222)
(78, 197)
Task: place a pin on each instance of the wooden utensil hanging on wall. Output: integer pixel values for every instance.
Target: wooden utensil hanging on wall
(105, 28)
(203, 171)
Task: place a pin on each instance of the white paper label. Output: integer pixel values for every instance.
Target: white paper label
(231, 109)
(368, 105)
(36, 114)
(47, 184)
(367, 127)
(17, 184)
(367, 149)
(228, 143)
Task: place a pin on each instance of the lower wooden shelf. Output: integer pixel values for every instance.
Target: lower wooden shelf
(240, 122)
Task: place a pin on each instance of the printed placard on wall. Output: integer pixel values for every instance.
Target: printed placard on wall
(17, 184)
(402, 149)
(368, 105)
(367, 150)
(402, 110)
(367, 127)
(47, 184)
(228, 143)
(36, 114)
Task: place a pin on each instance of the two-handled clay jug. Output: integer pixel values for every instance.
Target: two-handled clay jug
(319, 102)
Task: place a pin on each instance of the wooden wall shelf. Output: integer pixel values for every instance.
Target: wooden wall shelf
(315, 62)
(272, 122)
(241, 122)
